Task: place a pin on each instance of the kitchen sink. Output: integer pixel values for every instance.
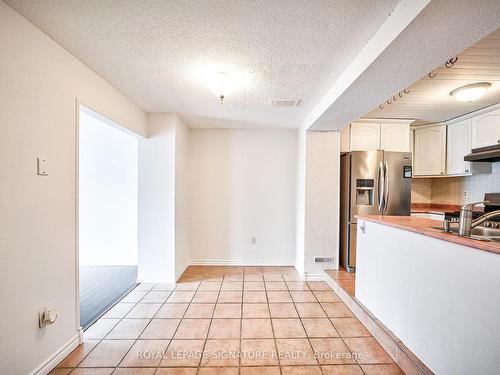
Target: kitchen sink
(479, 233)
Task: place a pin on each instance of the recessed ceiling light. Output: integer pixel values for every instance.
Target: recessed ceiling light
(469, 93)
(221, 84)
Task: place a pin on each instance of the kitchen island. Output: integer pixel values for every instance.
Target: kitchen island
(437, 292)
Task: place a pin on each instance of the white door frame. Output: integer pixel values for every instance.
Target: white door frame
(79, 106)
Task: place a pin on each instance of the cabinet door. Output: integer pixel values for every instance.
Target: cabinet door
(430, 151)
(486, 129)
(458, 145)
(395, 137)
(365, 136)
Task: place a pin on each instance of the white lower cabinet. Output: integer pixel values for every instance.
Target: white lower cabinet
(439, 298)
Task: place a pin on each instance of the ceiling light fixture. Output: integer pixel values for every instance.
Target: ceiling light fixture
(469, 93)
(221, 84)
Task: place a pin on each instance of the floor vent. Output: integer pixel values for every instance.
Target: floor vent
(284, 103)
(323, 260)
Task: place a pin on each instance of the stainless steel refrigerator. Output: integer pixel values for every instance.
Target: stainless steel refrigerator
(371, 183)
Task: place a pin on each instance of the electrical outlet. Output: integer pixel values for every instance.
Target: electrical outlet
(46, 317)
(466, 194)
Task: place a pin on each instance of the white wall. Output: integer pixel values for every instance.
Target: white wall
(107, 193)
(321, 225)
(156, 234)
(243, 185)
(39, 85)
(182, 204)
(163, 233)
(300, 204)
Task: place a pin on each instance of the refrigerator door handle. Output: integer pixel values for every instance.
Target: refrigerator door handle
(386, 187)
(380, 187)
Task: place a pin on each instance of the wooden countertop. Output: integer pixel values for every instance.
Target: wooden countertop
(434, 208)
(440, 208)
(424, 226)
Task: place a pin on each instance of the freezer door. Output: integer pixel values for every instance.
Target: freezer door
(364, 183)
(397, 184)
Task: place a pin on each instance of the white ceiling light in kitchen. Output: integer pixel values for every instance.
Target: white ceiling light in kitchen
(469, 93)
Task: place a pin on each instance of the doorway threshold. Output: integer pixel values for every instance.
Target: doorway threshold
(101, 287)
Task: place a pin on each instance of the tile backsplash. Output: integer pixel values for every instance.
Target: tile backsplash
(450, 190)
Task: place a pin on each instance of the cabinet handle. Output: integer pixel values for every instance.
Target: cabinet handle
(466, 171)
(363, 227)
(498, 141)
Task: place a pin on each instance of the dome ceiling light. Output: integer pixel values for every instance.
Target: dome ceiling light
(221, 84)
(469, 93)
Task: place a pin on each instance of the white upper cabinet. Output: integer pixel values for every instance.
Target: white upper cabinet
(429, 157)
(458, 145)
(372, 136)
(395, 137)
(365, 136)
(486, 129)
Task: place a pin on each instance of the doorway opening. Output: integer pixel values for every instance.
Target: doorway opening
(107, 214)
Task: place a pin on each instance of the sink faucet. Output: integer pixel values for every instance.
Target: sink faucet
(466, 223)
(465, 220)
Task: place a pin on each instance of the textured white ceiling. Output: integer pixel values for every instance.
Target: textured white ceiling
(158, 52)
(429, 99)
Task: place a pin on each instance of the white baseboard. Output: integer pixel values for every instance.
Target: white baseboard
(314, 276)
(57, 357)
(247, 263)
(80, 335)
(230, 262)
(152, 280)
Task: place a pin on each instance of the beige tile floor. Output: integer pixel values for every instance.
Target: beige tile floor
(229, 320)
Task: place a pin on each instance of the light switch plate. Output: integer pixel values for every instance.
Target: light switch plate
(41, 164)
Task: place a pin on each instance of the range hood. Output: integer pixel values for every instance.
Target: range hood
(489, 154)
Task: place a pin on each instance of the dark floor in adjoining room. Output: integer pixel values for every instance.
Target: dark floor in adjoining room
(101, 287)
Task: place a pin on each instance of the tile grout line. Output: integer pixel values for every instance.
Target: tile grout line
(114, 326)
(272, 326)
(210, 324)
(180, 320)
(135, 341)
(330, 319)
(303, 327)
